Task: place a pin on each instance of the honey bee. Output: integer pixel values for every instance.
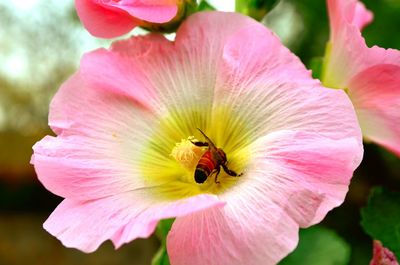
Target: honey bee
(211, 162)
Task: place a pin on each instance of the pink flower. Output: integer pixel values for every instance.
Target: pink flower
(121, 164)
(371, 76)
(382, 255)
(113, 18)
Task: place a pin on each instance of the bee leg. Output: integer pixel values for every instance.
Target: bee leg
(200, 144)
(217, 170)
(230, 172)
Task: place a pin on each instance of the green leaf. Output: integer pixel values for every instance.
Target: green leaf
(316, 67)
(256, 9)
(320, 246)
(161, 257)
(205, 6)
(381, 218)
(163, 228)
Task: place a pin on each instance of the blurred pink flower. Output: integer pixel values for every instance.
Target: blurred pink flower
(113, 18)
(382, 255)
(121, 164)
(371, 76)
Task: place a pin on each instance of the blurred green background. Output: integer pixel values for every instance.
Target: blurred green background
(41, 42)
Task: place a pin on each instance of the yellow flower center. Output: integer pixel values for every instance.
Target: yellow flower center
(170, 159)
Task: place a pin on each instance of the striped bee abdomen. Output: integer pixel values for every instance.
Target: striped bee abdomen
(204, 168)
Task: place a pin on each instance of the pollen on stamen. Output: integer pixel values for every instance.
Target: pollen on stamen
(186, 153)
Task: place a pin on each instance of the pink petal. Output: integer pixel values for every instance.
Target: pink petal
(293, 182)
(382, 255)
(183, 74)
(348, 12)
(307, 161)
(347, 53)
(139, 48)
(119, 74)
(109, 19)
(234, 235)
(122, 218)
(376, 96)
(157, 11)
(361, 16)
(369, 75)
(103, 21)
(95, 154)
(233, 67)
(273, 91)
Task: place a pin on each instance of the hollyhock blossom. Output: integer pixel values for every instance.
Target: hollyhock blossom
(382, 255)
(123, 157)
(113, 18)
(371, 76)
